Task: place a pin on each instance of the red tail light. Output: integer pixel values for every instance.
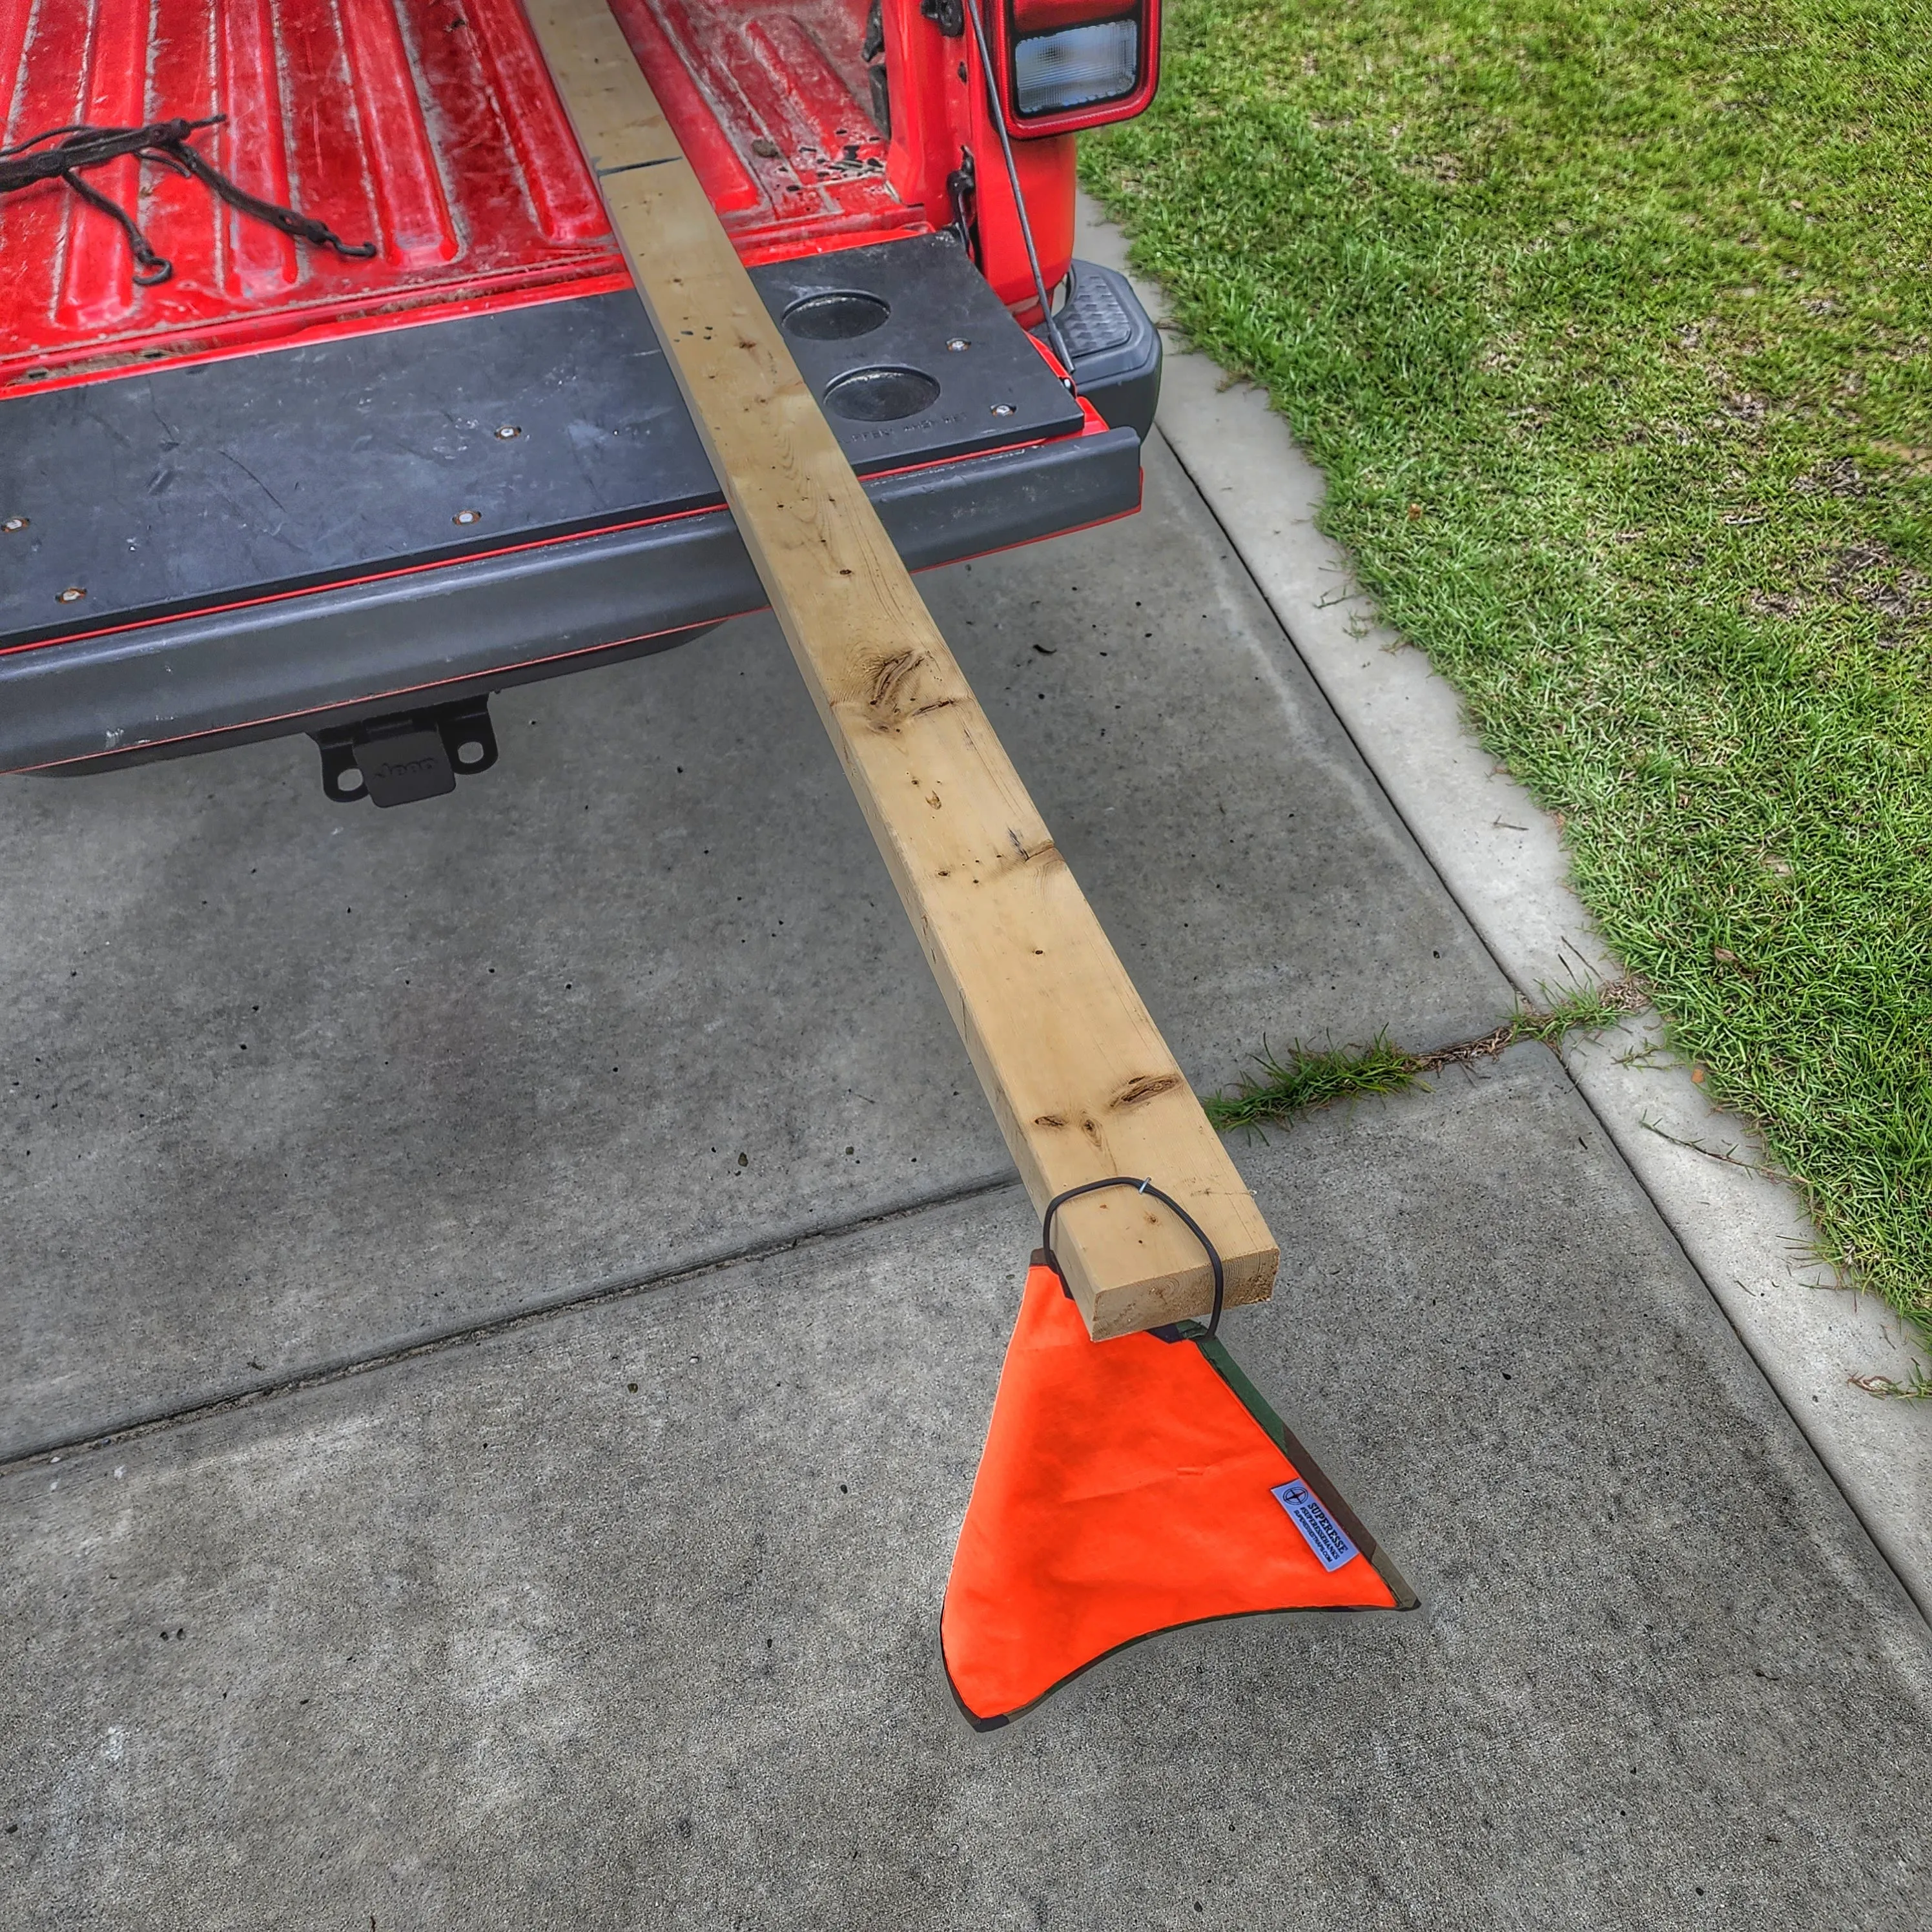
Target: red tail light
(1068, 64)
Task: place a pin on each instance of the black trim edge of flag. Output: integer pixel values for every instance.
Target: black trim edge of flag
(1311, 1472)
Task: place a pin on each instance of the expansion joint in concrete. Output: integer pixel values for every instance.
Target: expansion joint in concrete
(590, 1295)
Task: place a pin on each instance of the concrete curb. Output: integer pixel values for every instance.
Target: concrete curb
(1501, 858)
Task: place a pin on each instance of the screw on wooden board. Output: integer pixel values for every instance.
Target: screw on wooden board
(13, 524)
(1003, 409)
(72, 594)
(508, 432)
(958, 343)
(467, 516)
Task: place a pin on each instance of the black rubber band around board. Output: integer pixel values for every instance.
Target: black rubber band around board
(1168, 1200)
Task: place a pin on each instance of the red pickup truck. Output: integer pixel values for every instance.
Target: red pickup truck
(338, 412)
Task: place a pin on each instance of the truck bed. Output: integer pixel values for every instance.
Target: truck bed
(284, 490)
(429, 127)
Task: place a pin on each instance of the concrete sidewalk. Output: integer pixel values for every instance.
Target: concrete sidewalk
(359, 1165)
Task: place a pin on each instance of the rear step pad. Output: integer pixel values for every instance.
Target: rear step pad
(185, 489)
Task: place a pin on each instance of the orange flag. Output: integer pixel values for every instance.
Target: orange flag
(1127, 1487)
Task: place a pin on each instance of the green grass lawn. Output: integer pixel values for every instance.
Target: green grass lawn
(1611, 325)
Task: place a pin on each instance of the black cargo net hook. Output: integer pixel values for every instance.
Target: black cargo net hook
(78, 146)
(1167, 1201)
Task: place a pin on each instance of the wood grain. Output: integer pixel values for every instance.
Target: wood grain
(1079, 1078)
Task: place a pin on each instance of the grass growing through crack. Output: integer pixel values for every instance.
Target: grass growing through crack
(1611, 325)
(1307, 1077)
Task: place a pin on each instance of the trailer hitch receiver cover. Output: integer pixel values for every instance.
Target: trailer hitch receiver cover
(411, 755)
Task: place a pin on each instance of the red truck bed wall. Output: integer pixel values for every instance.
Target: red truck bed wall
(427, 126)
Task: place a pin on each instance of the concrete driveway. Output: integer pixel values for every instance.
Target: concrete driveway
(539, 1262)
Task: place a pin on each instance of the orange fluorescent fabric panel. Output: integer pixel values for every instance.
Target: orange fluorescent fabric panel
(1127, 1488)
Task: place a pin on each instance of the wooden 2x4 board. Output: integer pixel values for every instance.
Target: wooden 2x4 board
(1082, 1084)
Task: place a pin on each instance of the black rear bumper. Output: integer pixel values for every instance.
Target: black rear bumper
(296, 540)
(330, 656)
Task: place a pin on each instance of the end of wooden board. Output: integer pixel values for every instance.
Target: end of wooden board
(1132, 1265)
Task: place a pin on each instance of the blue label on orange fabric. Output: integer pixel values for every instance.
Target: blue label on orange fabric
(1319, 1530)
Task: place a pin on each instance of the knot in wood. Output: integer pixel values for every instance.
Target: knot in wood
(1144, 1086)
